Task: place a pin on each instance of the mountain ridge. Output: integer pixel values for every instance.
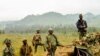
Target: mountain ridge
(50, 19)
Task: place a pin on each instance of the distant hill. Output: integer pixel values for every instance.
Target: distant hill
(49, 19)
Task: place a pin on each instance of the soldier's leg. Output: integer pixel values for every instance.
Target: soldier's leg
(80, 35)
(35, 48)
(54, 50)
(49, 52)
(41, 44)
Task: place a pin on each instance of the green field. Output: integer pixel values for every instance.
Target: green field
(64, 39)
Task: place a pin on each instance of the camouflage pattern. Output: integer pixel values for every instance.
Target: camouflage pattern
(25, 50)
(51, 44)
(36, 39)
(7, 41)
(91, 39)
(37, 42)
(97, 37)
(8, 51)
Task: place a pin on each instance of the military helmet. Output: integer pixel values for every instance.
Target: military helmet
(38, 30)
(50, 29)
(80, 15)
(6, 41)
(24, 40)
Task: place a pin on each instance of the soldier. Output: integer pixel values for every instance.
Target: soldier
(91, 39)
(81, 26)
(97, 37)
(8, 51)
(25, 50)
(37, 41)
(51, 43)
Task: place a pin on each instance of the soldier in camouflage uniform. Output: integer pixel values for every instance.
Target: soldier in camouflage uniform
(8, 51)
(25, 50)
(51, 43)
(81, 26)
(37, 41)
(91, 39)
(81, 49)
(97, 37)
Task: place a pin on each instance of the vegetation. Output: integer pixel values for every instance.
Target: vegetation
(65, 39)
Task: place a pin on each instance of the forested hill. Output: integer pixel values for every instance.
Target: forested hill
(49, 19)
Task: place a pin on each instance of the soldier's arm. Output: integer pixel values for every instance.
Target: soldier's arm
(40, 38)
(86, 24)
(33, 39)
(58, 44)
(21, 52)
(30, 49)
(4, 54)
(48, 42)
(12, 52)
(77, 24)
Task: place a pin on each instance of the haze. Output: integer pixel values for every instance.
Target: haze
(18, 9)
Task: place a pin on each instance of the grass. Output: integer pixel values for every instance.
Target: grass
(16, 39)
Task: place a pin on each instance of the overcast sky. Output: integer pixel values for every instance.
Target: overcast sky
(17, 9)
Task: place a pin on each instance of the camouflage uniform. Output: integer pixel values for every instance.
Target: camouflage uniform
(37, 41)
(81, 25)
(26, 50)
(91, 40)
(51, 44)
(82, 49)
(8, 51)
(97, 38)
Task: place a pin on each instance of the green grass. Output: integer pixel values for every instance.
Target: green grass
(64, 39)
(17, 41)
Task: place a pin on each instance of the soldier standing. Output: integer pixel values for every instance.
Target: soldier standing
(51, 43)
(25, 50)
(37, 41)
(8, 51)
(81, 26)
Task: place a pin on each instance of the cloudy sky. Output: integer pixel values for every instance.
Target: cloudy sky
(17, 9)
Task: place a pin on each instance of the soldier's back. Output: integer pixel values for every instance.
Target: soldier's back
(8, 51)
(26, 51)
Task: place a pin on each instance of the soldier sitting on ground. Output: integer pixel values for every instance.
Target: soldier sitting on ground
(97, 36)
(37, 41)
(81, 48)
(8, 51)
(91, 39)
(25, 50)
(81, 42)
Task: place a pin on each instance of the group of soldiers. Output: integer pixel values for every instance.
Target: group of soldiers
(51, 42)
(26, 50)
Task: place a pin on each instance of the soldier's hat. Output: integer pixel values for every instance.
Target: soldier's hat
(50, 29)
(38, 30)
(80, 14)
(97, 33)
(7, 41)
(24, 40)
